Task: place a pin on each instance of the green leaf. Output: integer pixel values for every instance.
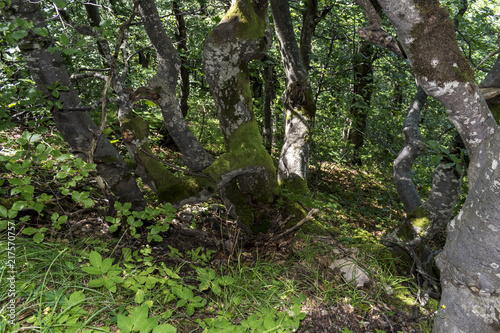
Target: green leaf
(124, 323)
(181, 303)
(18, 34)
(64, 39)
(139, 296)
(148, 324)
(38, 237)
(29, 231)
(139, 315)
(38, 207)
(110, 285)
(97, 283)
(19, 205)
(92, 270)
(95, 259)
(41, 31)
(3, 211)
(106, 265)
(60, 3)
(164, 328)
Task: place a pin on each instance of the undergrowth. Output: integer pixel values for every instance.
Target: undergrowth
(70, 263)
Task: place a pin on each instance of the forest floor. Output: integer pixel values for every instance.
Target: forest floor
(355, 209)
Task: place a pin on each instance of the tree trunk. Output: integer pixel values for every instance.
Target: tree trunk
(241, 36)
(469, 263)
(269, 94)
(77, 127)
(299, 105)
(354, 133)
(181, 39)
(165, 81)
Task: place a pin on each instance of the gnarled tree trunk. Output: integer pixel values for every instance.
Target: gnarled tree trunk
(470, 261)
(242, 35)
(165, 81)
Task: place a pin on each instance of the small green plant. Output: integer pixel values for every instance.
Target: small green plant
(134, 220)
(209, 280)
(108, 272)
(139, 321)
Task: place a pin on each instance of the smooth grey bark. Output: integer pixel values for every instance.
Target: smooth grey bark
(299, 105)
(194, 155)
(470, 261)
(76, 127)
(414, 146)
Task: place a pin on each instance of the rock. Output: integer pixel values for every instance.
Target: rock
(351, 272)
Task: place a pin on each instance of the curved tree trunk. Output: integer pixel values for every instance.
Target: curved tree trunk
(469, 263)
(165, 81)
(241, 36)
(77, 127)
(299, 105)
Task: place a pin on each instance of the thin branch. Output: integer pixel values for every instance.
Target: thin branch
(299, 224)
(486, 59)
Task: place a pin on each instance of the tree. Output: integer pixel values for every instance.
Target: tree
(77, 127)
(299, 105)
(469, 273)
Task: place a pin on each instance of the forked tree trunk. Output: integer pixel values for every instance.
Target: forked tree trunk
(470, 261)
(77, 127)
(299, 105)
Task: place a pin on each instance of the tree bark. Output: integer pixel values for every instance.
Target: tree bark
(269, 94)
(414, 146)
(242, 35)
(470, 274)
(194, 155)
(354, 134)
(299, 105)
(77, 128)
(181, 39)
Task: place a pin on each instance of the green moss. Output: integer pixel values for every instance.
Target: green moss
(419, 218)
(417, 221)
(137, 125)
(295, 186)
(241, 21)
(432, 35)
(156, 170)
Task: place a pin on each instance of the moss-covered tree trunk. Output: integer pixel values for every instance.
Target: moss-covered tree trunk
(470, 260)
(75, 125)
(299, 105)
(242, 35)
